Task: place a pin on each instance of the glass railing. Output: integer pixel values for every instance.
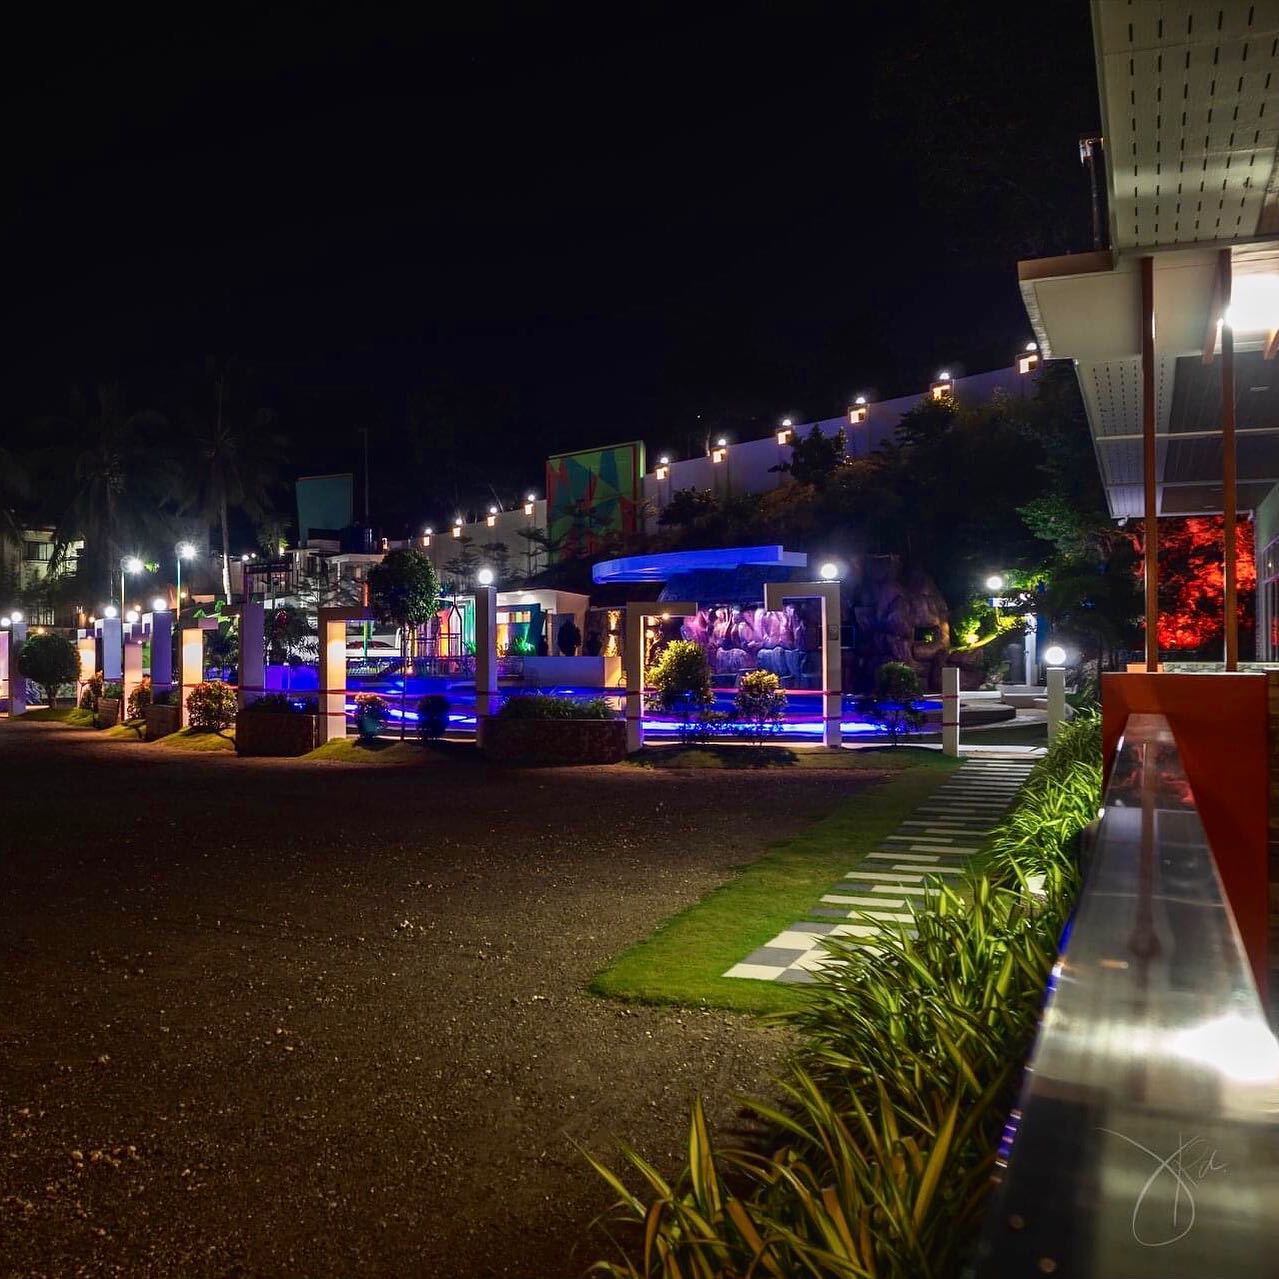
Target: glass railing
(1146, 1140)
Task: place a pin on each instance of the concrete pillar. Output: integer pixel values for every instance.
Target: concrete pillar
(950, 710)
(13, 687)
(775, 594)
(192, 656)
(252, 676)
(1056, 699)
(87, 647)
(485, 656)
(636, 614)
(332, 625)
(112, 656)
(131, 676)
(161, 628)
(1032, 650)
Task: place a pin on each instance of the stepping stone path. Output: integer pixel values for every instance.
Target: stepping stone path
(887, 887)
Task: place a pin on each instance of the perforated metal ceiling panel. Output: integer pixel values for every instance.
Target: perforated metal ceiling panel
(1190, 100)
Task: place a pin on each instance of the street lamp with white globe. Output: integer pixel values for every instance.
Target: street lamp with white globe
(485, 577)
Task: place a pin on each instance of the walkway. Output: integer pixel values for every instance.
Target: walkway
(890, 883)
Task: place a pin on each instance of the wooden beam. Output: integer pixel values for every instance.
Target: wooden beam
(1229, 497)
(1216, 309)
(1148, 461)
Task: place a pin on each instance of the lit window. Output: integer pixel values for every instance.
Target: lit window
(718, 455)
(662, 472)
(1028, 362)
(784, 435)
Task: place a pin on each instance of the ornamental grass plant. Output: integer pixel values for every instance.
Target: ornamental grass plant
(877, 1163)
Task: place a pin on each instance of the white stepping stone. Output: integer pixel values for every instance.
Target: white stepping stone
(903, 888)
(884, 875)
(756, 972)
(843, 899)
(902, 857)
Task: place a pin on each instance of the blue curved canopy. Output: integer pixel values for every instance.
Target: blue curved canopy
(660, 568)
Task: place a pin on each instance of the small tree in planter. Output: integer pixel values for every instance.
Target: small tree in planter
(404, 591)
(211, 705)
(681, 682)
(50, 661)
(759, 702)
(108, 713)
(894, 705)
(139, 699)
(91, 695)
(433, 716)
(370, 715)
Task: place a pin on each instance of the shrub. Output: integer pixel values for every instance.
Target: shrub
(681, 682)
(880, 1159)
(139, 699)
(894, 705)
(113, 692)
(544, 706)
(760, 701)
(370, 714)
(212, 705)
(433, 716)
(50, 661)
(91, 695)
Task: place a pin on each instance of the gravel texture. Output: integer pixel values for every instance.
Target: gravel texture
(267, 1018)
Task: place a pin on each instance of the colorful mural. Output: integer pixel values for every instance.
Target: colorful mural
(592, 494)
(740, 638)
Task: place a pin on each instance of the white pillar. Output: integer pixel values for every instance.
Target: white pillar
(332, 676)
(775, 594)
(13, 687)
(131, 676)
(1056, 699)
(161, 627)
(252, 673)
(485, 657)
(950, 710)
(87, 647)
(636, 614)
(111, 651)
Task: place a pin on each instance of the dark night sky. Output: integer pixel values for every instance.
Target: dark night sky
(554, 231)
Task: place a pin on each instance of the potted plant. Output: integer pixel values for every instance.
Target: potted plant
(278, 724)
(540, 729)
(108, 714)
(91, 693)
(163, 716)
(433, 716)
(370, 715)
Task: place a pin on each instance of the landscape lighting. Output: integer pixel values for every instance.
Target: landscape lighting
(17, 615)
(159, 605)
(110, 611)
(485, 577)
(131, 616)
(994, 582)
(1055, 655)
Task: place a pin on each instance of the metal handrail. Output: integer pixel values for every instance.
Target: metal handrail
(1146, 1139)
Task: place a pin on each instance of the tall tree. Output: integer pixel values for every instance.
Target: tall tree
(109, 477)
(231, 453)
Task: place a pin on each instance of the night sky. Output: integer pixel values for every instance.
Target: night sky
(509, 235)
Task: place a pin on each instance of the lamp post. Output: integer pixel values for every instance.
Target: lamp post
(183, 551)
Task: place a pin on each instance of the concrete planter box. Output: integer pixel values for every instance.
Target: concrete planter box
(162, 720)
(561, 742)
(276, 733)
(108, 712)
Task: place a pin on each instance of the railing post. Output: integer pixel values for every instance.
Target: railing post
(950, 710)
(1056, 699)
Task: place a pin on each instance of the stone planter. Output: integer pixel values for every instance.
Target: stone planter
(561, 742)
(162, 720)
(108, 712)
(276, 733)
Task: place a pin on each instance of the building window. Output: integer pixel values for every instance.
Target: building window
(1268, 603)
(40, 552)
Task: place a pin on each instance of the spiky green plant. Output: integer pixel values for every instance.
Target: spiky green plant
(882, 1150)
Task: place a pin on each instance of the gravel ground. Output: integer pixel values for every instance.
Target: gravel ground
(263, 1018)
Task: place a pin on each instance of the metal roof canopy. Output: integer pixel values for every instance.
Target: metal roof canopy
(1190, 111)
(660, 568)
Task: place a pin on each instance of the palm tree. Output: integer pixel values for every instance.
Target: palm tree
(231, 455)
(15, 488)
(109, 474)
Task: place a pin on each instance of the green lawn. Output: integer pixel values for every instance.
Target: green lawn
(351, 750)
(682, 961)
(198, 739)
(60, 715)
(734, 755)
(1009, 734)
